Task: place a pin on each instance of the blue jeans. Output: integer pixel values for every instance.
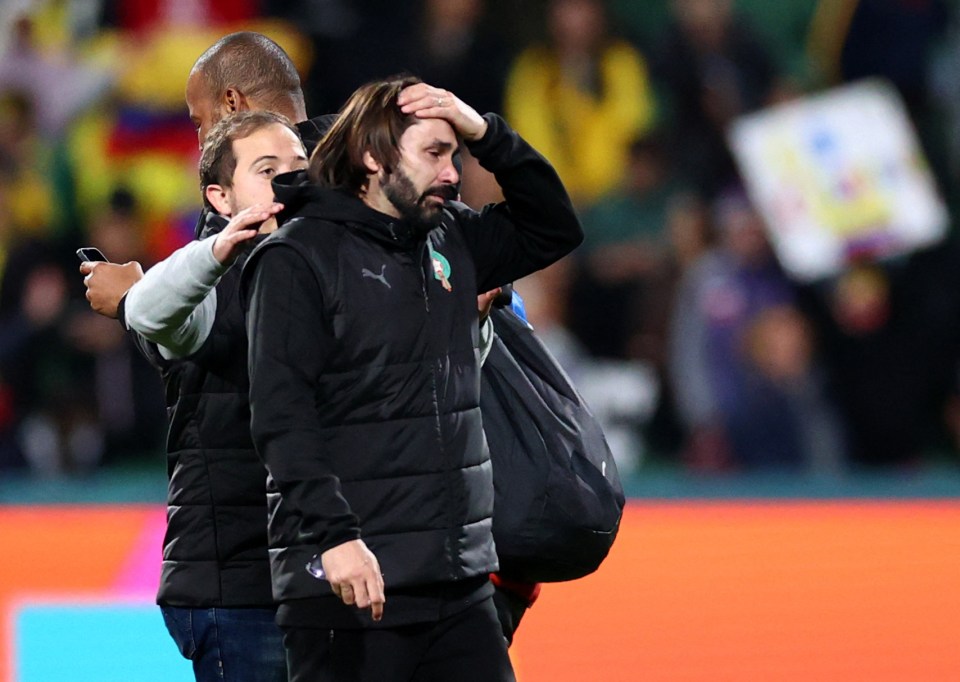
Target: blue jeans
(229, 645)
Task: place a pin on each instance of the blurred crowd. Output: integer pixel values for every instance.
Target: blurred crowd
(675, 318)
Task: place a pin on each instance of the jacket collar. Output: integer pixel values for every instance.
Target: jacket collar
(313, 130)
(303, 199)
(212, 223)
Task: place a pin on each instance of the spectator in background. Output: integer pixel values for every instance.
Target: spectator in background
(39, 373)
(688, 234)
(892, 335)
(457, 51)
(127, 393)
(626, 256)
(688, 228)
(746, 387)
(79, 394)
(606, 316)
(649, 300)
(54, 424)
(52, 351)
(58, 86)
(581, 98)
(25, 164)
(711, 68)
(784, 420)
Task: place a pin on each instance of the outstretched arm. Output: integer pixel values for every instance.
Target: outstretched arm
(175, 303)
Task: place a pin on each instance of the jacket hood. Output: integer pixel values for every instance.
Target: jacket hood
(211, 223)
(312, 131)
(303, 199)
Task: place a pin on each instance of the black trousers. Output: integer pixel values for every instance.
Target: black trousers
(466, 647)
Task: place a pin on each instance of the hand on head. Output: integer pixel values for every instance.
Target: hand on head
(426, 101)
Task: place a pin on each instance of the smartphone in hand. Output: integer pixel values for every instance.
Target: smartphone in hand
(89, 254)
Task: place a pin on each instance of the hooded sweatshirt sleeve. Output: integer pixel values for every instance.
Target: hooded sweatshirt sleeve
(289, 338)
(533, 227)
(175, 303)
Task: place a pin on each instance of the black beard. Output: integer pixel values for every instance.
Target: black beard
(413, 208)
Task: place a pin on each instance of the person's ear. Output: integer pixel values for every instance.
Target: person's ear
(217, 196)
(371, 164)
(235, 101)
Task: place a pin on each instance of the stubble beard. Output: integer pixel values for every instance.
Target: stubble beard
(413, 206)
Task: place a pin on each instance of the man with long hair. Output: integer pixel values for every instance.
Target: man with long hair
(364, 369)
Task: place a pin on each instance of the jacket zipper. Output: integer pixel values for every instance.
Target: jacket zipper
(424, 280)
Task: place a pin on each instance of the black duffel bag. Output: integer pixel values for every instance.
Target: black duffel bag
(558, 496)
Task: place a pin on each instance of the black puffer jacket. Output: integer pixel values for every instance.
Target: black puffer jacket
(215, 548)
(365, 373)
(214, 551)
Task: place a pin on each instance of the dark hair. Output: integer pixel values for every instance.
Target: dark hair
(254, 65)
(370, 121)
(218, 161)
